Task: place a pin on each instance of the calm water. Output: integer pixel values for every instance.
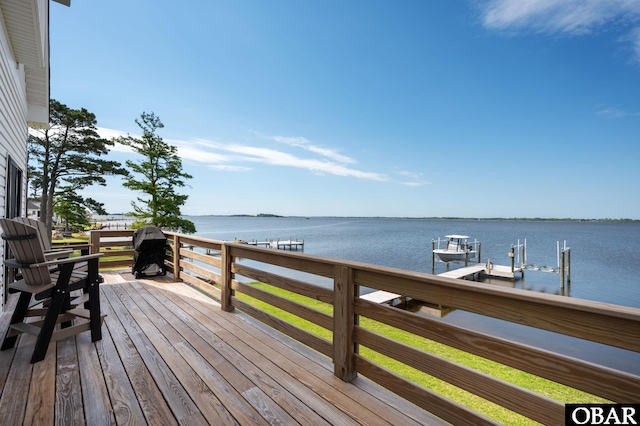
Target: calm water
(605, 259)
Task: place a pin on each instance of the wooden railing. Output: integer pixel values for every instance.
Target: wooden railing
(79, 248)
(116, 246)
(214, 267)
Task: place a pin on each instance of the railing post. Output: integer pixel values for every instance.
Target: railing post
(94, 241)
(344, 321)
(176, 257)
(227, 278)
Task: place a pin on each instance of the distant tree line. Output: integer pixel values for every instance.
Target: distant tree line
(535, 219)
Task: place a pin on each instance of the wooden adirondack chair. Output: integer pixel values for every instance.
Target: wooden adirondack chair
(41, 227)
(49, 283)
(45, 238)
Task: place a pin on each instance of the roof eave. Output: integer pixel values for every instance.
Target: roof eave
(27, 25)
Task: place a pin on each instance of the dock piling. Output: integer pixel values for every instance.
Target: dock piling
(564, 267)
(433, 257)
(512, 255)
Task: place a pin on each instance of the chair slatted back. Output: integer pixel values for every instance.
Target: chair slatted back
(45, 239)
(27, 249)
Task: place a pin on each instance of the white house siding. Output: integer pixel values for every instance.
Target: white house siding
(14, 91)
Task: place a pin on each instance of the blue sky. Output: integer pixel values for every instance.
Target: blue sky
(471, 108)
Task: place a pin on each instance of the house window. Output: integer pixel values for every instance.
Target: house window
(14, 190)
(13, 203)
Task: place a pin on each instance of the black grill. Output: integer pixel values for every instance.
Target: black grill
(150, 246)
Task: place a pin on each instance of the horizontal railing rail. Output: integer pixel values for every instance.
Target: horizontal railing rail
(82, 248)
(116, 246)
(226, 270)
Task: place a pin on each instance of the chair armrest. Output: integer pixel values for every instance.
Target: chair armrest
(14, 264)
(69, 260)
(55, 254)
(72, 246)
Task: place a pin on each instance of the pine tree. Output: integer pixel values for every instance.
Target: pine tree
(157, 176)
(69, 206)
(67, 153)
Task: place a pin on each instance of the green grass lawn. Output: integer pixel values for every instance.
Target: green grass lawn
(536, 384)
(83, 238)
(76, 238)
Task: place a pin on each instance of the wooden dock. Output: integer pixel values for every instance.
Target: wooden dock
(289, 244)
(484, 269)
(468, 272)
(381, 296)
(501, 271)
(464, 273)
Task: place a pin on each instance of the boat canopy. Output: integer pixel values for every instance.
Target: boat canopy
(462, 237)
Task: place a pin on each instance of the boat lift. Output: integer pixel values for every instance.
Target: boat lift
(517, 254)
(475, 247)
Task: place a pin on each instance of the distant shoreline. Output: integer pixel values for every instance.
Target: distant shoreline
(512, 219)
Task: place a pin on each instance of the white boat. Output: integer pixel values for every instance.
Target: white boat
(457, 249)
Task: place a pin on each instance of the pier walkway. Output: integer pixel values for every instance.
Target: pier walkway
(380, 296)
(277, 244)
(485, 269)
(465, 272)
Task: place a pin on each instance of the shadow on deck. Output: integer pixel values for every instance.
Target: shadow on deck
(170, 355)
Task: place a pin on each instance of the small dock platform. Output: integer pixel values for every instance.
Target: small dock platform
(501, 271)
(288, 244)
(381, 297)
(484, 269)
(277, 244)
(464, 273)
(472, 272)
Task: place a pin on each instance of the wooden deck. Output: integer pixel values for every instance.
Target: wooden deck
(170, 355)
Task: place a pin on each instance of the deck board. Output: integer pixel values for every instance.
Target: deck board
(69, 407)
(170, 355)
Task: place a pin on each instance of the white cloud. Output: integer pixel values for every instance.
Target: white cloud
(218, 155)
(416, 178)
(615, 113)
(233, 157)
(571, 16)
(196, 152)
(414, 183)
(414, 175)
(305, 144)
(227, 168)
(281, 158)
(564, 16)
(110, 134)
(634, 39)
